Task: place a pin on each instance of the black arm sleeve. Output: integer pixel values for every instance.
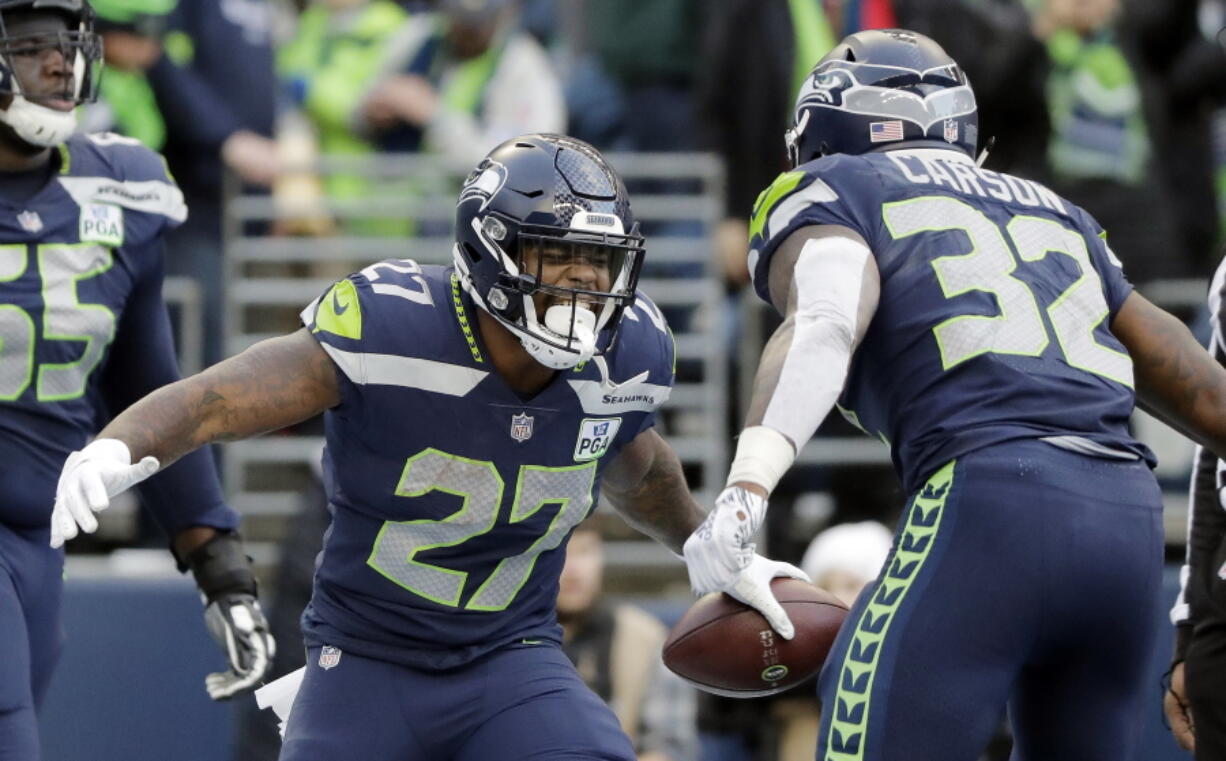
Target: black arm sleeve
(142, 359)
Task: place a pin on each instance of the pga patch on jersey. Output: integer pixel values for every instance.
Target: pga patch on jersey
(102, 223)
(595, 436)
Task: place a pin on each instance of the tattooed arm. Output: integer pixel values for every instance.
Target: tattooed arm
(277, 382)
(645, 484)
(1176, 379)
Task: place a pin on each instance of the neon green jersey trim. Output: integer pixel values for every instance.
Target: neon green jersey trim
(782, 186)
(340, 312)
(853, 701)
(462, 316)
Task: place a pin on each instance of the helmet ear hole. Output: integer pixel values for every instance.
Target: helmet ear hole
(471, 252)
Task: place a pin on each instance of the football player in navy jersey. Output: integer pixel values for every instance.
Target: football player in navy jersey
(473, 414)
(981, 327)
(83, 333)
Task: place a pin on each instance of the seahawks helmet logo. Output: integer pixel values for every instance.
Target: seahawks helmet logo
(484, 182)
(825, 88)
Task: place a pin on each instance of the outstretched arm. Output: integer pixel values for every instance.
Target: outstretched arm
(273, 384)
(824, 281)
(645, 484)
(1176, 379)
(276, 383)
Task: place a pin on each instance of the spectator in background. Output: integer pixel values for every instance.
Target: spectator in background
(755, 54)
(1008, 66)
(131, 35)
(341, 50)
(616, 650)
(469, 79)
(647, 53)
(216, 85)
(843, 559)
(1184, 77)
(1101, 148)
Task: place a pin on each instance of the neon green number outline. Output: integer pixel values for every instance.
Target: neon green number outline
(1074, 315)
(11, 313)
(987, 267)
(476, 516)
(571, 511)
(398, 542)
(1081, 308)
(783, 184)
(94, 351)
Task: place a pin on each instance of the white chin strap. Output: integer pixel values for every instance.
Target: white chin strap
(582, 337)
(38, 125)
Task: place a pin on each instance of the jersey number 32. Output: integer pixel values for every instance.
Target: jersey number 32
(989, 266)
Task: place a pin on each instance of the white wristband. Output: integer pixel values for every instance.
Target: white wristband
(763, 455)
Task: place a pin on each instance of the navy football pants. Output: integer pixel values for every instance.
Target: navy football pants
(1020, 574)
(31, 585)
(515, 704)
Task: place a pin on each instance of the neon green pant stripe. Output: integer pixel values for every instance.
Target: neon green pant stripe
(848, 728)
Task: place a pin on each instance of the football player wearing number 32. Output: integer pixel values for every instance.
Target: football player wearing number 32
(473, 414)
(979, 325)
(84, 333)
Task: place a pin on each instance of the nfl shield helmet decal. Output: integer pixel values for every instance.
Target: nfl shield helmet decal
(329, 657)
(951, 130)
(595, 436)
(521, 427)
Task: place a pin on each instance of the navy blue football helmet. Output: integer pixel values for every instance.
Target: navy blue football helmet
(541, 196)
(45, 117)
(878, 89)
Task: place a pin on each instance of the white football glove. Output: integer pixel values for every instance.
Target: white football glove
(720, 548)
(90, 478)
(753, 587)
(720, 557)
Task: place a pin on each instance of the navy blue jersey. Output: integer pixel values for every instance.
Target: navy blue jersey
(994, 316)
(451, 495)
(83, 330)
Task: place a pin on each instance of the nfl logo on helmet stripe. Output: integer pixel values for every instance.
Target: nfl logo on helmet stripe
(951, 130)
(521, 427)
(881, 132)
(329, 657)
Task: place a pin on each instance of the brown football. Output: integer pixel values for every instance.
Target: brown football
(725, 647)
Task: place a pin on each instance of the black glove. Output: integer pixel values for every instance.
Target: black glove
(232, 614)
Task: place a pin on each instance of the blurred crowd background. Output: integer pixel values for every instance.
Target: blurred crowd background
(312, 138)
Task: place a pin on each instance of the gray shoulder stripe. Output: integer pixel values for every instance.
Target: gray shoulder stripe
(406, 372)
(783, 214)
(151, 196)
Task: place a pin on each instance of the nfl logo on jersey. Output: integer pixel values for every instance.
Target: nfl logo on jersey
(595, 436)
(521, 427)
(329, 657)
(30, 221)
